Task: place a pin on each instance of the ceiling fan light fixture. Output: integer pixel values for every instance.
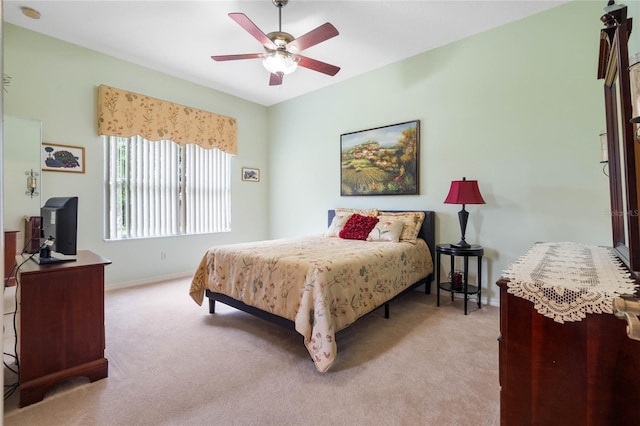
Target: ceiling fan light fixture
(280, 62)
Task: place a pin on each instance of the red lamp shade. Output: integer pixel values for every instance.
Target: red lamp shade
(464, 192)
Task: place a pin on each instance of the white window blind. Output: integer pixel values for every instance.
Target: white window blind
(161, 188)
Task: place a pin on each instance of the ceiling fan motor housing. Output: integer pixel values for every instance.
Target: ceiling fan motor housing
(280, 39)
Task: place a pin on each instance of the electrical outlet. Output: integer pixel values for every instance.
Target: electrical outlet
(163, 256)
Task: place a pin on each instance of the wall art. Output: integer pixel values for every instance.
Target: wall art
(380, 161)
(250, 174)
(62, 158)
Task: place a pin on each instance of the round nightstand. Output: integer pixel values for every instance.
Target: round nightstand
(452, 285)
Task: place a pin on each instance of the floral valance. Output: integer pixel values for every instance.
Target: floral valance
(124, 113)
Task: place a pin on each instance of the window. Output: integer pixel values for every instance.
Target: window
(160, 188)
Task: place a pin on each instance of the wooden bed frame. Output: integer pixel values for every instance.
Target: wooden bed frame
(427, 233)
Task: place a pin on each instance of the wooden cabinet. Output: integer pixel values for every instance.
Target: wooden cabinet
(32, 231)
(10, 250)
(576, 373)
(61, 323)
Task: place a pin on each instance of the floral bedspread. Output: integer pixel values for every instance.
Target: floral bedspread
(323, 284)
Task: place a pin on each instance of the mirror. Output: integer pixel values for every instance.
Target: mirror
(613, 67)
(22, 142)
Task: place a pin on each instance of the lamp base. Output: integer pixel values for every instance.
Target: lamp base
(461, 244)
(463, 215)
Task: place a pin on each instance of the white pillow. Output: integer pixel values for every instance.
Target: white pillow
(412, 223)
(386, 230)
(337, 223)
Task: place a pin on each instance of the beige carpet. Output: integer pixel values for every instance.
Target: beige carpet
(171, 363)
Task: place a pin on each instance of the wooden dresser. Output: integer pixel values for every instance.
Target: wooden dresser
(61, 323)
(573, 373)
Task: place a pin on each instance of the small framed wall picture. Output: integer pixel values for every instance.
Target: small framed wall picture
(250, 174)
(62, 158)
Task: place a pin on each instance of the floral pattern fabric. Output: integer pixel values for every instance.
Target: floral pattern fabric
(124, 113)
(322, 284)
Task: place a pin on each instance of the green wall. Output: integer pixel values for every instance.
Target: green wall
(56, 82)
(634, 11)
(518, 108)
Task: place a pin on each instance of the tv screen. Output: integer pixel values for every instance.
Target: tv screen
(60, 224)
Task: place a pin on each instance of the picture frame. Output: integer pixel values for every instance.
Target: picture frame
(250, 174)
(381, 161)
(62, 158)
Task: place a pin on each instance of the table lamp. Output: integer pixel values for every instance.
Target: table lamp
(464, 192)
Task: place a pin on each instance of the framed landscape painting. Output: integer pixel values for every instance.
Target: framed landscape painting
(380, 161)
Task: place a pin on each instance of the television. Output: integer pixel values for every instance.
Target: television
(59, 230)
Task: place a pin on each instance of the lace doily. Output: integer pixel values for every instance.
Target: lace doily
(565, 281)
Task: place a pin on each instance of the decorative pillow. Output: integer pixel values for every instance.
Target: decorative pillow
(358, 227)
(337, 223)
(412, 223)
(386, 230)
(367, 212)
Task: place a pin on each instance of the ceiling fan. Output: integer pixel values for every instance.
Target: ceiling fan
(281, 49)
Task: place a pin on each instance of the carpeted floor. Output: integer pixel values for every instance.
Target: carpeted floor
(171, 363)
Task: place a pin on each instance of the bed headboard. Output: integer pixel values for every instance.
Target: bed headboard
(427, 232)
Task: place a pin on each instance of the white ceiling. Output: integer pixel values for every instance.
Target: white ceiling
(179, 37)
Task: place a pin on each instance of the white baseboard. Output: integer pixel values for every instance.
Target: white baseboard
(137, 283)
(493, 302)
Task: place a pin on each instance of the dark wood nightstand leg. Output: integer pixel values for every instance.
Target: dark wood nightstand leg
(438, 278)
(466, 282)
(479, 282)
(453, 258)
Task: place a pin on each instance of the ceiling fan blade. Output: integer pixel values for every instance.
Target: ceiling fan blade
(252, 29)
(275, 79)
(319, 66)
(313, 37)
(235, 57)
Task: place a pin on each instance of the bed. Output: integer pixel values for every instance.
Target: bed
(317, 285)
